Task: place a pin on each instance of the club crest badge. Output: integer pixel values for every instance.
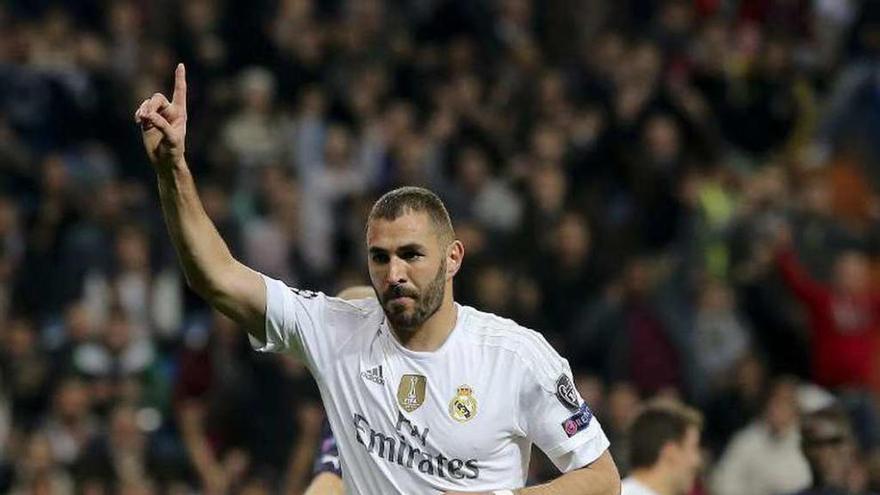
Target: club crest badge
(411, 392)
(463, 407)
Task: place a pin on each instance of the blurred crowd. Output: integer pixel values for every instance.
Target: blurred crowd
(681, 195)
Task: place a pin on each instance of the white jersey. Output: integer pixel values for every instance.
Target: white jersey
(463, 417)
(632, 486)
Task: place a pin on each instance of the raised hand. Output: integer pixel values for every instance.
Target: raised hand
(163, 124)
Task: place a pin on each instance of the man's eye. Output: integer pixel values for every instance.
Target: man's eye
(380, 258)
(411, 256)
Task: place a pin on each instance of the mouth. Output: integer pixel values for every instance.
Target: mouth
(400, 299)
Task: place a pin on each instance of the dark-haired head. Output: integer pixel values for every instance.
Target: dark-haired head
(410, 199)
(412, 255)
(665, 440)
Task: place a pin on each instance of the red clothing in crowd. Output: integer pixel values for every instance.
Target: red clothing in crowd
(844, 327)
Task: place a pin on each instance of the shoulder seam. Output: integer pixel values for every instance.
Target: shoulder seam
(337, 304)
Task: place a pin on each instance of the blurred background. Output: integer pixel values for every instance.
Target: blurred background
(681, 195)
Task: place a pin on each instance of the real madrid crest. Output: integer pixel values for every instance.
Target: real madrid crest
(463, 407)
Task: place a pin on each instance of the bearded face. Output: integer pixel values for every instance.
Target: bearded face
(408, 268)
(407, 308)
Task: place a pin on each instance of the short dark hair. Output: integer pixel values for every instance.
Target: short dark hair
(659, 423)
(403, 200)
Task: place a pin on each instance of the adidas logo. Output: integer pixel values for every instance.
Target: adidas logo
(374, 375)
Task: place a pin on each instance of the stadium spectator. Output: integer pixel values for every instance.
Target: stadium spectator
(765, 457)
(664, 454)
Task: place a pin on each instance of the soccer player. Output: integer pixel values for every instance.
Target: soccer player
(664, 450)
(424, 395)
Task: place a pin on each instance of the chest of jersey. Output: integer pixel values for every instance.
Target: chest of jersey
(449, 418)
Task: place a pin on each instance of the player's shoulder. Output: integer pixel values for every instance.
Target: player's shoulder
(348, 320)
(506, 335)
(489, 324)
(367, 308)
(348, 313)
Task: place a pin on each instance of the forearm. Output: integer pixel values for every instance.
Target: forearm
(203, 255)
(797, 279)
(568, 485)
(210, 270)
(599, 478)
(301, 462)
(326, 484)
(208, 266)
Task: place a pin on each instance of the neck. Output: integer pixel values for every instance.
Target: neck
(778, 430)
(655, 480)
(432, 334)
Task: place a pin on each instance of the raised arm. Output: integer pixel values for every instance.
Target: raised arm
(795, 277)
(801, 284)
(209, 268)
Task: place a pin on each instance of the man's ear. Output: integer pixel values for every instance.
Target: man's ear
(454, 257)
(668, 452)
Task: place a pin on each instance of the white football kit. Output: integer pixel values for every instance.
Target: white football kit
(463, 417)
(632, 486)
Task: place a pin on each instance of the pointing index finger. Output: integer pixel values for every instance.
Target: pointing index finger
(179, 97)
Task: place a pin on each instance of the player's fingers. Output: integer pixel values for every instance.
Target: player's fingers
(142, 113)
(139, 113)
(151, 105)
(159, 122)
(158, 102)
(179, 97)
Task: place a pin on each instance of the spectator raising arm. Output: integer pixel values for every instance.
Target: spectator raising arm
(802, 285)
(209, 267)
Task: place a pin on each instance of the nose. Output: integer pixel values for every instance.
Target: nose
(396, 271)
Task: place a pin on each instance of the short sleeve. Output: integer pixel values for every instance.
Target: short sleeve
(294, 321)
(557, 419)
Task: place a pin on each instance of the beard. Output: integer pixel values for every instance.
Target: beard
(425, 304)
